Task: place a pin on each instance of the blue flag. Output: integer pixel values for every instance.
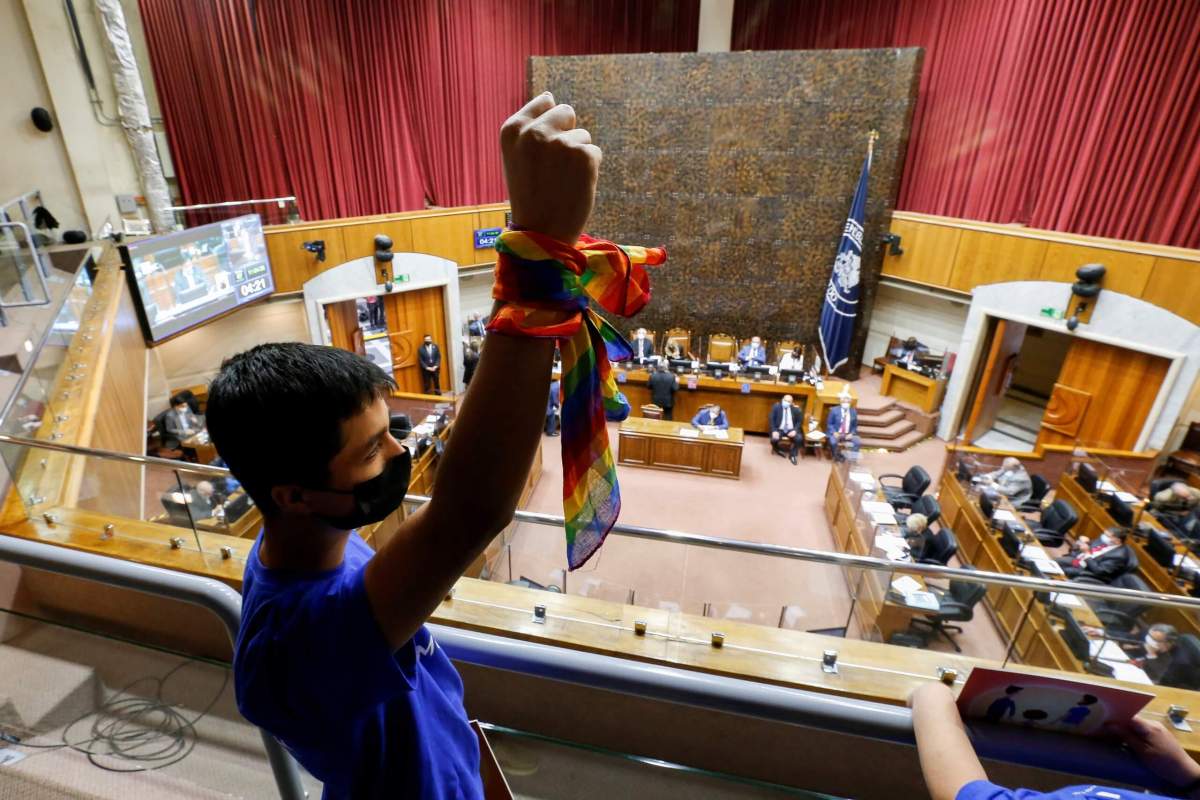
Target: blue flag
(841, 297)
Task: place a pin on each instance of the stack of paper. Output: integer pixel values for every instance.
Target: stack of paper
(882, 518)
(1106, 486)
(892, 546)
(876, 507)
(906, 584)
(1188, 561)
(721, 434)
(1127, 497)
(1034, 551)
(923, 600)
(1004, 515)
(1065, 600)
(689, 433)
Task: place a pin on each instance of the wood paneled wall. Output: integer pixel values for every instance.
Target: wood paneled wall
(411, 315)
(960, 254)
(448, 233)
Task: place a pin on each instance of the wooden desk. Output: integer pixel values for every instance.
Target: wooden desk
(1037, 639)
(877, 610)
(658, 444)
(912, 387)
(751, 412)
(205, 451)
(1094, 519)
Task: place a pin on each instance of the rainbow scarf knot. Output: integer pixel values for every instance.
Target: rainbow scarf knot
(547, 286)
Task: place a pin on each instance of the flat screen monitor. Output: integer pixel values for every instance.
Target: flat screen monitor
(1010, 541)
(756, 370)
(1075, 637)
(681, 364)
(186, 278)
(1119, 510)
(717, 368)
(792, 375)
(1086, 475)
(1160, 548)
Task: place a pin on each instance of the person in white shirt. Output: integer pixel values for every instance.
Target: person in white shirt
(793, 360)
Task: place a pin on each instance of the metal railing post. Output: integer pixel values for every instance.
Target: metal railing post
(212, 595)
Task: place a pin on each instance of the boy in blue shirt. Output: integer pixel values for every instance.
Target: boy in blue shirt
(333, 657)
(952, 770)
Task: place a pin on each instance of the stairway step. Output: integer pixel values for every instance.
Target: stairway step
(1015, 431)
(882, 418)
(875, 405)
(902, 442)
(890, 431)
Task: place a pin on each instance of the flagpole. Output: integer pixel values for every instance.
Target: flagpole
(872, 135)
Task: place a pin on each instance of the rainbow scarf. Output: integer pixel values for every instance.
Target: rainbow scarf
(546, 285)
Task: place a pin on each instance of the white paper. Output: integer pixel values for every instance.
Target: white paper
(1065, 600)
(1004, 515)
(876, 507)
(1107, 650)
(1188, 561)
(883, 519)
(1105, 486)
(906, 584)
(1048, 566)
(925, 600)
(1033, 551)
(1128, 672)
(721, 434)
(1127, 497)
(689, 433)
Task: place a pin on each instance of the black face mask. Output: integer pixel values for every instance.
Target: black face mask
(376, 498)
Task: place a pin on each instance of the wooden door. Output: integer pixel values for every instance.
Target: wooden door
(1007, 339)
(343, 326)
(411, 315)
(1103, 396)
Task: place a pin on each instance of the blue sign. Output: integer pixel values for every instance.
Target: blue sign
(486, 237)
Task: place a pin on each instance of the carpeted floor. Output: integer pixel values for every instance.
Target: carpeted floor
(773, 502)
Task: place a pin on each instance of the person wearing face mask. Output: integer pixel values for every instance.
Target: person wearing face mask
(1107, 559)
(1011, 480)
(908, 352)
(333, 656)
(753, 354)
(711, 417)
(430, 356)
(1155, 652)
(643, 348)
(785, 428)
(792, 360)
(841, 428)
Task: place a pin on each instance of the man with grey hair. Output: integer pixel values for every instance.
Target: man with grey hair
(1155, 652)
(916, 535)
(1011, 480)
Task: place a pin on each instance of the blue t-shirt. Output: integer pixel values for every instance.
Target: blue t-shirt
(983, 790)
(312, 667)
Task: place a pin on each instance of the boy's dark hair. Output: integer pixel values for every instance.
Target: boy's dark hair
(275, 412)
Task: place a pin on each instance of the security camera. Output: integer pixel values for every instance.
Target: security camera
(387, 287)
(1073, 322)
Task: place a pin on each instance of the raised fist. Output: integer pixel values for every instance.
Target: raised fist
(550, 167)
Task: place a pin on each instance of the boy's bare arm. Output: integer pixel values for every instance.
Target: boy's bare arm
(948, 760)
(551, 168)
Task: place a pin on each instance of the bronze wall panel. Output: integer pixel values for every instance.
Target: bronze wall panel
(743, 165)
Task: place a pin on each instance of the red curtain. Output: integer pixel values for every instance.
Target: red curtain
(368, 106)
(1073, 115)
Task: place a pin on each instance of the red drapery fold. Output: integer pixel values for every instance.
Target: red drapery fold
(365, 106)
(1075, 115)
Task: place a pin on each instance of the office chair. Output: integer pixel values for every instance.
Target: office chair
(1041, 487)
(1087, 477)
(1184, 671)
(1058, 518)
(942, 546)
(912, 485)
(926, 504)
(1121, 620)
(956, 605)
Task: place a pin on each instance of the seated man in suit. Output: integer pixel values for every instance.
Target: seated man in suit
(908, 352)
(842, 428)
(711, 417)
(663, 384)
(643, 348)
(786, 428)
(1011, 480)
(1154, 654)
(917, 535)
(430, 357)
(1107, 559)
(792, 360)
(753, 354)
(181, 423)
(1176, 508)
(190, 282)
